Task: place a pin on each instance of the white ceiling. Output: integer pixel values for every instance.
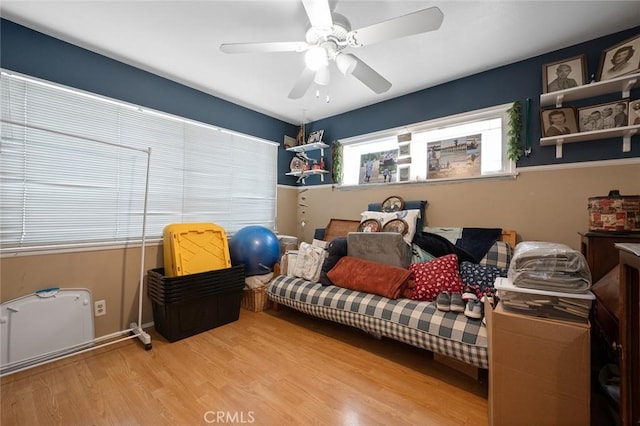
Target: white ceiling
(180, 40)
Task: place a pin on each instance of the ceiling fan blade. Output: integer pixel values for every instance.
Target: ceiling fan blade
(370, 78)
(303, 83)
(418, 22)
(319, 13)
(278, 46)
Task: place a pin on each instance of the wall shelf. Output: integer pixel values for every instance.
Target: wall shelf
(302, 174)
(309, 147)
(622, 84)
(626, 133)
(305, 173)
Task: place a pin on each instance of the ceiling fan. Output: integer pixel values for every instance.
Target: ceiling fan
(330, 33)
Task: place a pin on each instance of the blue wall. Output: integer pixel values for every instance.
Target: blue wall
(515, 82)
(33, 53)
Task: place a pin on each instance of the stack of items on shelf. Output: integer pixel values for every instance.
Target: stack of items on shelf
(197, 289)
(548, 280)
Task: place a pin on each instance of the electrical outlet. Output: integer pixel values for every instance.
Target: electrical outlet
(100, 308)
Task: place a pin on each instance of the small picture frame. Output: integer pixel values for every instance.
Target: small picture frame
(621, 59)
(315, 136)
(404, 150)
(603, 116)
(404, 173)
(634, 112)
(392, 204)
(396, 225)
(558, 121)
(564, 74)
(369, 225)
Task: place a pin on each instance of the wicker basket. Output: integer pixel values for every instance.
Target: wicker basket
(255, 299)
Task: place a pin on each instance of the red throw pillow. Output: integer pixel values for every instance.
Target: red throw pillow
(434, 276)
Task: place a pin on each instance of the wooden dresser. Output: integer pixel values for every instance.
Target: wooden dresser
(615, 320)
(600, 251)
(630, 336)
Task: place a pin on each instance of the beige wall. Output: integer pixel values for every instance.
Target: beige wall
(549, 205)
(545, 204)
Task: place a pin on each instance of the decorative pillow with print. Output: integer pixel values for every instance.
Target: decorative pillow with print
(408, 205)
(409, 216)
(435, 276)
(480, 276)
(309, 262)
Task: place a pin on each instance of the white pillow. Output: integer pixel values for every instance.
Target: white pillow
(409, 216)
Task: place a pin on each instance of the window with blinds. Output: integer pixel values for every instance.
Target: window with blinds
(73, 170)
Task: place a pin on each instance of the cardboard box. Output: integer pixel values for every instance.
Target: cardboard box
(539, 370)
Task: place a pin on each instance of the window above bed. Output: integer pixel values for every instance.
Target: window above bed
(470, 145)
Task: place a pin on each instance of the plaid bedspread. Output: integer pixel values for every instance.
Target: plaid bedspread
(416, 323)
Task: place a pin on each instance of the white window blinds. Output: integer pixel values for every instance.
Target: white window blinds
(59, 186)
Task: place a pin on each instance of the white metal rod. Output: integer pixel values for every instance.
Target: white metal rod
(144, 232)
(69, 355)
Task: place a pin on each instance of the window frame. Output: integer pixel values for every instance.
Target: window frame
(236, 144)
(494, 112)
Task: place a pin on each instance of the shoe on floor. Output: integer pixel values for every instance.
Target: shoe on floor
(443, 301)
(457, 304)
(473, 309)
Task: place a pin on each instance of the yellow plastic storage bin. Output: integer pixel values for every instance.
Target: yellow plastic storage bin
(190, 248)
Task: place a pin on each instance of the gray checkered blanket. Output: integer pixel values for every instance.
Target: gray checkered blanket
(416, 323)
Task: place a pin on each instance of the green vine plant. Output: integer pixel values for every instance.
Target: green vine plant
(514, 146)
(336, 162)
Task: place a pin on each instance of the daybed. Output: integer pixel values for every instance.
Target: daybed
(418, 323)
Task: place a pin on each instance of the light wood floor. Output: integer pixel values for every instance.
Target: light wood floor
(268, 368)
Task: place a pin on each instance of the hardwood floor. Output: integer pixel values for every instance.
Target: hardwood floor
(267, 368)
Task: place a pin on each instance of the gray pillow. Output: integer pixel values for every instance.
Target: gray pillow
(388, 248)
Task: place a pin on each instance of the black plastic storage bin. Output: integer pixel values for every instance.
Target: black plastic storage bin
(188, 305)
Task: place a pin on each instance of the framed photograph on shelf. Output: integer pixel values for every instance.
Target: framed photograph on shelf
(603, 116)
(558, 121)
(621, 59)
(315, 136)
(560, 75)
(634, 112)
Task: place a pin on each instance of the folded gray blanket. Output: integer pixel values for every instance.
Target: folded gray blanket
(549, 266)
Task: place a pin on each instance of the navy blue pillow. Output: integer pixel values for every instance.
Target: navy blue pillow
(337, 250)
(408, 205)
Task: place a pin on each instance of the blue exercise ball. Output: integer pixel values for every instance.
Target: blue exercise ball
(255, 247)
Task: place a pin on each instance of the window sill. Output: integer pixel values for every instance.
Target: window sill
(75, 248)
(496, 176)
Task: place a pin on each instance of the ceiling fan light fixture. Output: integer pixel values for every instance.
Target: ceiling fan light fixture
(316, 58)
(322, 76)
(346, 63)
